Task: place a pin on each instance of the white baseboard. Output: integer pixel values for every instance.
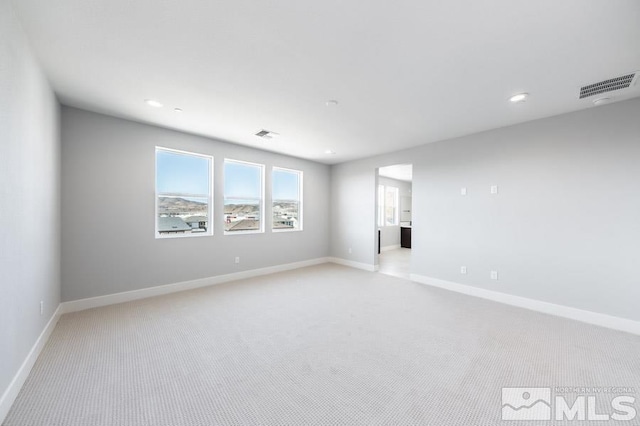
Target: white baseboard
(14, 387)
(589, 317)
(351, 263)
(127, 296)
(16, 384)
(391, 247)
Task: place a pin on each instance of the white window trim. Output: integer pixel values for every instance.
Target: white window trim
(262, 204)
(300, 196)
(382, 221)
(209, 198)
(396, 207)
(380, 206)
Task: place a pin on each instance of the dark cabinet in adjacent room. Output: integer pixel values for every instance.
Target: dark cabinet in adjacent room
(405, 237)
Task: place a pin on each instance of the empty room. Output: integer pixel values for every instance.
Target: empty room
(319, 213)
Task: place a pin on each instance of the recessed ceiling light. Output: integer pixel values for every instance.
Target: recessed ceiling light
(601, 101)
(153, 103)
(520, 97)
(329, 151)
(177, 109)
(331, 103)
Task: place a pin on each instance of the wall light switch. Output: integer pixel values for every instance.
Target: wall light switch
(463, 270)
(494, 189)
(237, 259)
(494, 275)
(463, 191)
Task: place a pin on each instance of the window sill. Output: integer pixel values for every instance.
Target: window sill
(178, 235)
(242, 232)
(286, 230)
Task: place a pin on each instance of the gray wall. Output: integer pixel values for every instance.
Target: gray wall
(108, 210)
(564, 227)
(29, 189)
(390, 235)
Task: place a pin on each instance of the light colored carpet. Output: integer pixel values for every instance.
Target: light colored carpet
(325, 345)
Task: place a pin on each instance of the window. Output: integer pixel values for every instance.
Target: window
(287, 199)
(388, 206)
(243, 193)
(380, 205)
(391, 206)
(183, 193)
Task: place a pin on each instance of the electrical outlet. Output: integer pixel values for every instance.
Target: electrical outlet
(41, 307)
(494, 189)
(463, 270)
(463, 191)
(494, 275)
(237, 259)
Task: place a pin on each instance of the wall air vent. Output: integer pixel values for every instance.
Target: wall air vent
(266, 134)
(610, 85)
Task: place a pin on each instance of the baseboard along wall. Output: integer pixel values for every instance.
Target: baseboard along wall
(358, 265)
(595, 318)
(10, 394)
(127, 296)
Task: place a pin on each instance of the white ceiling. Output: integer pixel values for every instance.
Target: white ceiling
(405, 72)
(402, 172)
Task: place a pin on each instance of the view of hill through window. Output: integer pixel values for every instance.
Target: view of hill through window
(243, 191)
(287, 193)
(183, 190)
(184, 195)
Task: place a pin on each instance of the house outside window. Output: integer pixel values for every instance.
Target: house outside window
(183, 193)
(243, 197)
(286, 197)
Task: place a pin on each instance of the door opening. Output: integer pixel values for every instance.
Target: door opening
(394, 219)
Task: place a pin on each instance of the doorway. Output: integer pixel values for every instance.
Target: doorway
(394, 219)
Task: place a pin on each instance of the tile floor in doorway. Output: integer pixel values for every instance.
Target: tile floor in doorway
(395, 262)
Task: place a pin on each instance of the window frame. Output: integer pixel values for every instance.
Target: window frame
(382, 206)
(396, 205)
(209, 232)
(261, 202)
(300, 174)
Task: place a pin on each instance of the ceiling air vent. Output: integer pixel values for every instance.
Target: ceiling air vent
(610, 85)
(266, 134)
